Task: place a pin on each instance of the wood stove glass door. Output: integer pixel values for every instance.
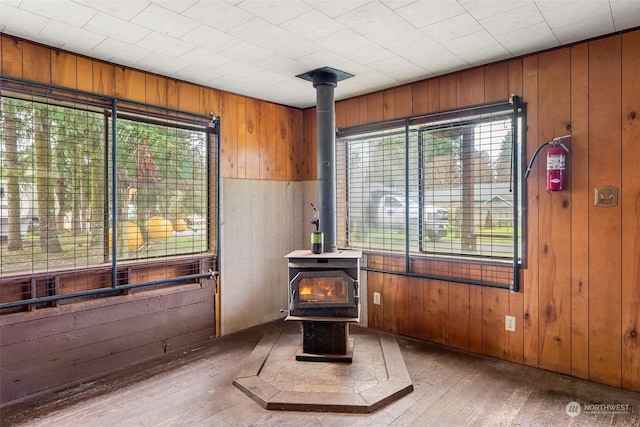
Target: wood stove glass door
(323, 289)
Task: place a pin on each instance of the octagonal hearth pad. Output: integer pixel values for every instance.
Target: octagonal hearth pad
(274, 379)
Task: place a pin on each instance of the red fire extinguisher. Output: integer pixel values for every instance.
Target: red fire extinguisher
(556, 157)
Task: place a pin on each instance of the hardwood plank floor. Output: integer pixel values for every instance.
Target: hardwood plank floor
(451, 388)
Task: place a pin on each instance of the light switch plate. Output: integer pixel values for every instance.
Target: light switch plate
(606, 196)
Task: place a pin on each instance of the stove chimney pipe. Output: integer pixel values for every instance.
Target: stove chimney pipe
(325, 82)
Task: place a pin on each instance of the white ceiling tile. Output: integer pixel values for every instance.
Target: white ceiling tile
(75, 39)
(294, 47)
(120, 9)
(425, 13)
(298, 88)
(11, 3)
(241, 85)
(343, 41)
(218, 14)
(626, 14)
(369, 18)
(370, 53)
(158, 61)
(397, 4)
(548, 5)
(285, 64)
(349, 88)
(353, 67)
(409, 74)
(127, 54)
(372, 77)
(397, 34)
(333, 8)
(60, 10)
(312, 25)
(470, 42)
(24, 24)
(240, 69)
(481, 9)
(571, 12)
(204, 57)
(391, 65)
(324, 58)
(103, 23)
(485, 55)
(164, 44)
(271, 79)
(573, 32)
(211, 38)
(275, 38)
(417, 48)
(275, 11)
(266, 86)
(529, 39)
(248, 51)
(619, 7)
(513, 20)
(305, 88)
(177, 6)
(164, 21)
(453, 28)
(199, 73)
(440, 62)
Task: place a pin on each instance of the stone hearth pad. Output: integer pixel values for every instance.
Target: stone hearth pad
(274, 379)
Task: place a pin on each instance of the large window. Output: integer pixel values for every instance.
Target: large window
(79, 173)
(439, 189)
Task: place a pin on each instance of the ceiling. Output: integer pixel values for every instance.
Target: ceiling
(257, 47)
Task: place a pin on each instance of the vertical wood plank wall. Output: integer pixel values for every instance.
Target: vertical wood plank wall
(578, 312)
(579, 308)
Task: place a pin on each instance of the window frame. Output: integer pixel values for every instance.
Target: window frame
(189, 267)
(409, 263)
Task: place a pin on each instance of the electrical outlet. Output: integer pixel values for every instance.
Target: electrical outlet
(510, 323)
(376, 298)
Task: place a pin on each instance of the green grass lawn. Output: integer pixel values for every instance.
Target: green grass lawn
(77, 251)
(486, 235)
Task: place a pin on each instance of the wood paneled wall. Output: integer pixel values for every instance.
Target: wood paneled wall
(48, 348)
(259, 139)
(579, 308)
(578, 312)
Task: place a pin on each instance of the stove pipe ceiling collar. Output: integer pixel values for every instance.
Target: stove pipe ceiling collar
(325, 81)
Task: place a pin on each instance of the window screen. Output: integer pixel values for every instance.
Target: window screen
(162, 188)
(126, 194)
(439, 188)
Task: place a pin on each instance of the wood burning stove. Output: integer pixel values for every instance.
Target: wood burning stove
(323, 287)
(324, 298)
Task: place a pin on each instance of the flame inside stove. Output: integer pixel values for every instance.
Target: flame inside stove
(323, 289)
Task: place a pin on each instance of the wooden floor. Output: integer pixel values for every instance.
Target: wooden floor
(451, 388)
